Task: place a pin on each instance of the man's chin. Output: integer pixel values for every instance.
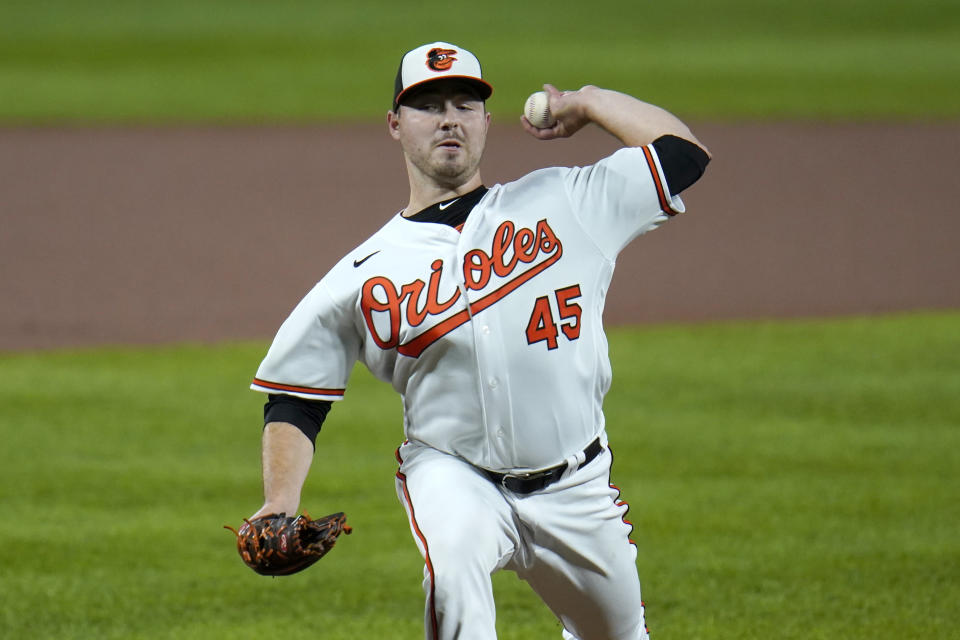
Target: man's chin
(450, 170)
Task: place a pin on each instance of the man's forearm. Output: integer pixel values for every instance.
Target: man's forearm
(632, 121)
(287, 454)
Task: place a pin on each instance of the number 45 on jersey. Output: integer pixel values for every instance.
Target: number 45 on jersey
(555, 314)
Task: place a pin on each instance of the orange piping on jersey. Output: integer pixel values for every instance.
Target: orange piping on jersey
(619, 501)
(416, 346)
(661, 191)
(276, 386)
(426, 552)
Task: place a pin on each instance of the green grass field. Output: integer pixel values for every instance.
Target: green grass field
(291, 60)
(787, 480)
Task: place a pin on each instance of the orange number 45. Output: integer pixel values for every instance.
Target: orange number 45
(543, 328)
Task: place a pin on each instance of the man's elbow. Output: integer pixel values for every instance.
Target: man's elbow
(683, 161)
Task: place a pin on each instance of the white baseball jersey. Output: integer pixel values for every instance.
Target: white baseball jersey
(492, 334)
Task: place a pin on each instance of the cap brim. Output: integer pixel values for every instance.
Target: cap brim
(482, 87)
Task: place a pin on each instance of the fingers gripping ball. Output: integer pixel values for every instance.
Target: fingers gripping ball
(537, 110)
(275, 545)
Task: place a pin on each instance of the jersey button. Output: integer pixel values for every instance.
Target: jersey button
(485, 330)
(494, 382)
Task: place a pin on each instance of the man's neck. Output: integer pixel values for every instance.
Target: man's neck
(422, 196)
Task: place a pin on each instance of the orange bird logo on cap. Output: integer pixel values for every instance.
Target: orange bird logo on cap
(441, 59)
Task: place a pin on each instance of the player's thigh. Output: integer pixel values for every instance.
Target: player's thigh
(583, 562)
(455, 512)
(592, 606)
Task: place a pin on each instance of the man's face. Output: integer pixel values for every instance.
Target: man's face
(442, 130)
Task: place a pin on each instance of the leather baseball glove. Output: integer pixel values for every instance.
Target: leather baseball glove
(275, 545)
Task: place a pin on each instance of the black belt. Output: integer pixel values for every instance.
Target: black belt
(524, 483)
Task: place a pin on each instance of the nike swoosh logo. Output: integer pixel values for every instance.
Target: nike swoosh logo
(357, 263)
(444, 206)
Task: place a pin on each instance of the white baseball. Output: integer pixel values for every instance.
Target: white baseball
(537, 110)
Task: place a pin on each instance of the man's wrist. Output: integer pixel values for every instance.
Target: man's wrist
(590, 101)
(275, 508)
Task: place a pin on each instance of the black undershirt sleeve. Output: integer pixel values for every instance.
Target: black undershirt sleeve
(306, 415)
(683, 162)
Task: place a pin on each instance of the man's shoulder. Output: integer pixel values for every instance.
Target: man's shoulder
(398, 234)
(559, 173)
(537, 180)
(542, 174)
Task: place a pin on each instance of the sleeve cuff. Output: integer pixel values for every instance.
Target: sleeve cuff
(311, 393)
(670, 205)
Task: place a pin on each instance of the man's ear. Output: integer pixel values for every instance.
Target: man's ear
(393, 123)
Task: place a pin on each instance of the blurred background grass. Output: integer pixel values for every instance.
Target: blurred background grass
(100, 61)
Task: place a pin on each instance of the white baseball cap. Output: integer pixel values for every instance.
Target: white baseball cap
(438, 61)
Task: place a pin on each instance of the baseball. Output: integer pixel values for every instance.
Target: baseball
(537, 110)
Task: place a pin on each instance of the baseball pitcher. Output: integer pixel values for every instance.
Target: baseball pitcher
(482, 306)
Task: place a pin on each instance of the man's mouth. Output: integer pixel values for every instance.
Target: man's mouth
(449, 144)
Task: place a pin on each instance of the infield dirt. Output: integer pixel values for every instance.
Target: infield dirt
(152, 235)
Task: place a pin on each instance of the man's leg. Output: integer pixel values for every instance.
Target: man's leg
(582, 562)
(465, 531)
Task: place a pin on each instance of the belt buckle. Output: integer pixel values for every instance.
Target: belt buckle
(546, 477)
(519, 477)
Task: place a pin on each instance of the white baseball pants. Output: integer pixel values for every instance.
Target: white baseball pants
(570, 542)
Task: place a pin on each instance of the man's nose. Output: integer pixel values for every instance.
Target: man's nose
(451, 116)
